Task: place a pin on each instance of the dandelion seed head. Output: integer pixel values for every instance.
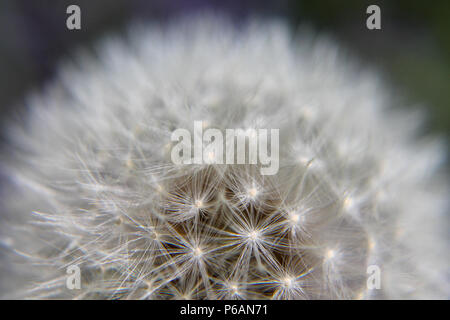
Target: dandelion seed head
(92, 184)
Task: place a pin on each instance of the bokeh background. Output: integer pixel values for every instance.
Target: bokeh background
(412, 49)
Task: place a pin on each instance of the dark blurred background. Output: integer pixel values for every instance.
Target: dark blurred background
(412, 48)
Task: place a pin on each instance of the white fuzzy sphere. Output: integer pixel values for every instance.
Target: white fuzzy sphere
(91, 182)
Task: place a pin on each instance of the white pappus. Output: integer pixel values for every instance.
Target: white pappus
(91, 182)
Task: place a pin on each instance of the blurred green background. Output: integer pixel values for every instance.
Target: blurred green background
(412, 48)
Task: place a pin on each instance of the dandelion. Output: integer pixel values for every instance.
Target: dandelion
(92, 184)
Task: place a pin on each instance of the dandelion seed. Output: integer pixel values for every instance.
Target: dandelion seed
(198, 204)
(252, 193)
(371, 243)
(330, 254)
(198, 252)
(288, 282)
(234, 288)
(253, 235)
(294, 217)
